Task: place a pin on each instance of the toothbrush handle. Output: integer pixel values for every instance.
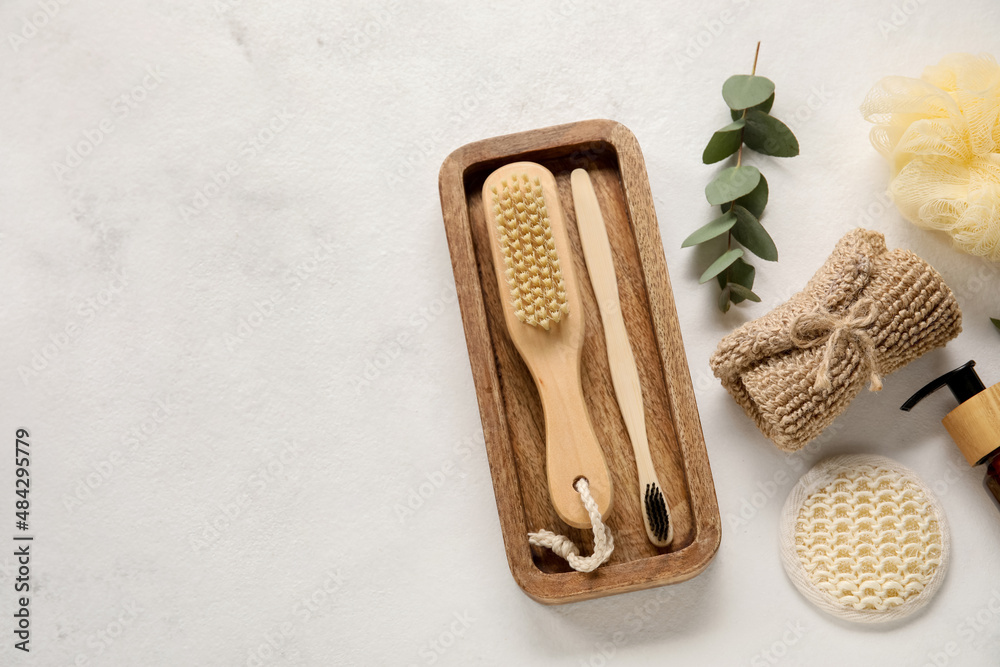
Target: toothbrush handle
(600, 265)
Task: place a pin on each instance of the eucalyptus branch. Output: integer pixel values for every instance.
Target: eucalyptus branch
(741, 190)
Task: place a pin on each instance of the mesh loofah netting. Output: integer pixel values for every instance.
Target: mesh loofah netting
(863, 539)
(941, 136)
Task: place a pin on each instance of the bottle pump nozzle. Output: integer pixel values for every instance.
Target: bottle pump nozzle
(964, 383)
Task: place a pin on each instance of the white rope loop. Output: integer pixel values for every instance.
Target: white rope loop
(563, 547)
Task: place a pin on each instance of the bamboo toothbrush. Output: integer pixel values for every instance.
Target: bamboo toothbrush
(543, 311)
(624, 374)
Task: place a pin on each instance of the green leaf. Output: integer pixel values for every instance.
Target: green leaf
(723, 143)
(995, 322)
(739, 290)
(717, 227)
(764, 106)
(742, 91)
(768, 135)
(752, 234)
(724, 299)
(732, 183)
(719, 265)
(740, 273)
(755, 201)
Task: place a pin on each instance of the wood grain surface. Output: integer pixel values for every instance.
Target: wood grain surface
(509, 405)
(554, 357)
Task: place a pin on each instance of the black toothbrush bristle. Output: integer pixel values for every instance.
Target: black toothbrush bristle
(656, 512)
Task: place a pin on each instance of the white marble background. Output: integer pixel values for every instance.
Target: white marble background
(217, 219)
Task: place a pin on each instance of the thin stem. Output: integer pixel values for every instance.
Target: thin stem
(739, 156)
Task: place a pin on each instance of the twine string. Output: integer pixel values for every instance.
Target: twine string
(821, 327)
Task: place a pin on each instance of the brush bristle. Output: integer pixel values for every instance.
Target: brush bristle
(537, 291)
(656, 512)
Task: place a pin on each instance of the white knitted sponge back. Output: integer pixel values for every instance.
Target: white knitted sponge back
(864, 539)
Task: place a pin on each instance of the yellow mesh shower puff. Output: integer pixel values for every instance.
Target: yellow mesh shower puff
(864, 539)
(941, 136)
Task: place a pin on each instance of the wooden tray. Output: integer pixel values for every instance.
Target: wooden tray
(513, 423)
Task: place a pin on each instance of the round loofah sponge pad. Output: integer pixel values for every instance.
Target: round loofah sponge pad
(864, 539)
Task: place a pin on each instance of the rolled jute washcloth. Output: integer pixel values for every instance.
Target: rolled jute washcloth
(867, 312)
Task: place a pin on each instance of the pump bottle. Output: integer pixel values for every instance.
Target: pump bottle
(975, 424)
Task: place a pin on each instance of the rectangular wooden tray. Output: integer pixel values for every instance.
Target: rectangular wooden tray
(511, 413)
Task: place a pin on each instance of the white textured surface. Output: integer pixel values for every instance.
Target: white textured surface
(256, 319)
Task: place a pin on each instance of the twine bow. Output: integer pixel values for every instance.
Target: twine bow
(823, 327)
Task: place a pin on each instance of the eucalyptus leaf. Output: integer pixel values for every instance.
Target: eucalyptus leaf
(764, 106)
(768, 135)
(752, 234)
(739, 290)
(742, 273)
(719, 265)
(716, 227)
(739, 272)
(995, 322)
(742, 91)
(724, 142)
(755, 201)
(724, 299)
(732, 183)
